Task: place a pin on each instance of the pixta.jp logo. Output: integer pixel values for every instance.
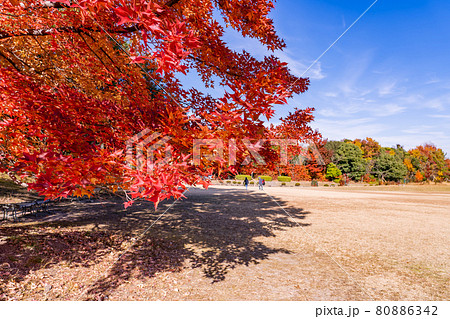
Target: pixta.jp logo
(141, 148)
(143, 142)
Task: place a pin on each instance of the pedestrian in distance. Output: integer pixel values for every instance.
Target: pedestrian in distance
(246, 183)
(261, 183)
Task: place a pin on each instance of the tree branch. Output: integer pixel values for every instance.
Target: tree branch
(57, 5)
(44, 32)
(171, 3)
(92, 50)
(105, 53)
(10, 61)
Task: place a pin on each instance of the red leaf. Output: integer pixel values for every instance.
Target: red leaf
(128, 204)
(124, 15)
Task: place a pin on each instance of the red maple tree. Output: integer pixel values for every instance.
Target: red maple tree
(78, 78)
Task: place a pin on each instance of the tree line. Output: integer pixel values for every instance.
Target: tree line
(365, 160)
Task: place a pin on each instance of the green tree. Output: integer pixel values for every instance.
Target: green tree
(389, 167)
(333, 146)
(348, 158)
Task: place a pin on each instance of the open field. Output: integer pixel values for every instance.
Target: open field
(409, 188)
(226, 243)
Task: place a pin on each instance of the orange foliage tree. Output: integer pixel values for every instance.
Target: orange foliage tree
(431, 162)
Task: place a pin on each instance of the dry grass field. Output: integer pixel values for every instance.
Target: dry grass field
(225, 243)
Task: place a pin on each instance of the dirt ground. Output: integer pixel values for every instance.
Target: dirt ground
(226, 243)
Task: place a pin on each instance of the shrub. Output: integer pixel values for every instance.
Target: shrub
(297, 184)
(252, 183)
(336, 180)
(283, 184)
(314, 183)
(332, 172)
(228, 182)
(234, 182)
(284, 179)
(242, 177)
(266, 178)
(326, 185)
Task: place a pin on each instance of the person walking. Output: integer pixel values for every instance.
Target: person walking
(261, 183)
(246, 183)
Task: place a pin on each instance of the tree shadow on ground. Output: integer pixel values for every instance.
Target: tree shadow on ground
(214, 229)
(219, 230)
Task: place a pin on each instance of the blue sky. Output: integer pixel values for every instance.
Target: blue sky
(388, 77)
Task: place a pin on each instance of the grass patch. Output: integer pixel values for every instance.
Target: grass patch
(284, 179)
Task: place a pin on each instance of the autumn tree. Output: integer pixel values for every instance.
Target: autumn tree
(370, 151)
(430, 160)
(78, 78)
(447, 170)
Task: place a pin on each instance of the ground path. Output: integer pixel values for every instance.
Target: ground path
(226, 243)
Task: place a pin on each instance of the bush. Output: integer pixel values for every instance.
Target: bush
(252, 183)
(228, 182)
(266, 178)
(283, 184)
(242, 177)
(314, 183)
(332, 172)
(337, 180)
(284, 179)
(326, 185)
(297, 184)
(234, 182)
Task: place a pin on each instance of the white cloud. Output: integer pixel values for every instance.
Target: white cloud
(298, 67)
(411, 98)
(387, 88)
(426, 130)
(349, 81)
(328, 112)
(439, 116)
(331, 94)
(409, 141)
(432, 81)
(388, 110)
(439, 103)
(237, 42)
(348, 128)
